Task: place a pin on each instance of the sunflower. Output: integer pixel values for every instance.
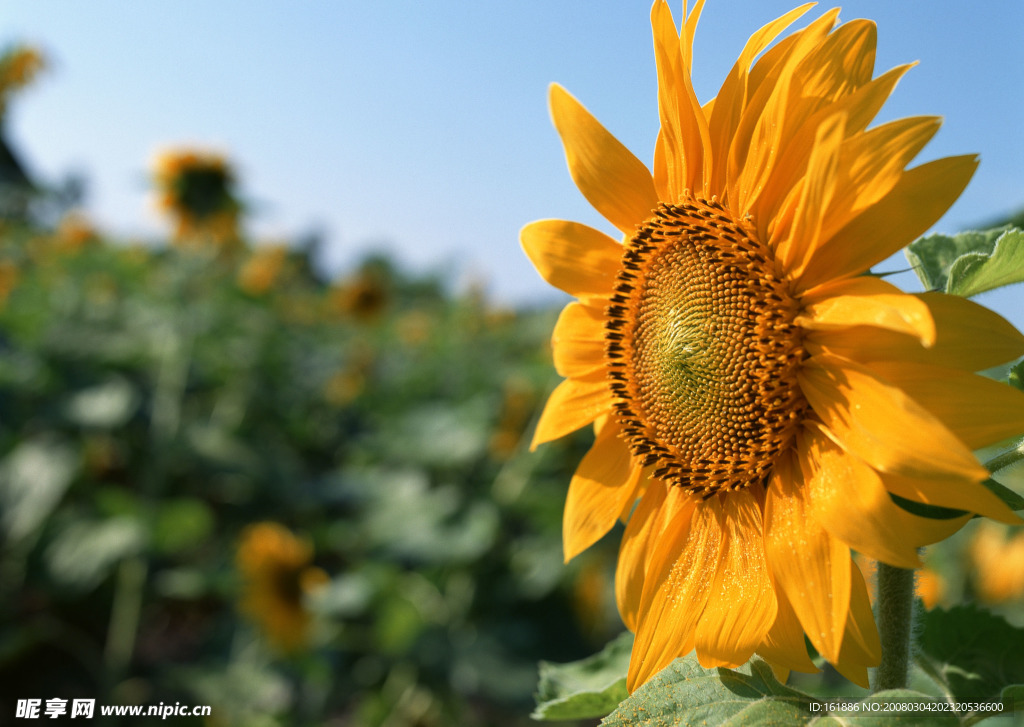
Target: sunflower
(196, 189)
(756, 396)
(277, 574)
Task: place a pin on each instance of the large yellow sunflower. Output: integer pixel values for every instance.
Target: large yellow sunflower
(755, 397)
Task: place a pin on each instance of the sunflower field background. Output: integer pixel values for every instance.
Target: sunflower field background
(228, 479)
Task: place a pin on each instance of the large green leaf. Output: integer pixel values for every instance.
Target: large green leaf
(934, 255)
(977, 272)
(590, 687)
(33, 479)
(974, 655)
(686, 693)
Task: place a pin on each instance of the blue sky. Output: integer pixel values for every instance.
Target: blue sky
(422, 128)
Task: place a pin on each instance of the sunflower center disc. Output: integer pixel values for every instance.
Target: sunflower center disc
(702, 350)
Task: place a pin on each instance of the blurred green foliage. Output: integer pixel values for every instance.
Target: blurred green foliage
(154, 401)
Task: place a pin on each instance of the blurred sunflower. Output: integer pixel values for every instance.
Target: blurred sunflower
(197, 191)
(8, 279)
(757, 392)
(262, 270)
(18, 67)
(997, 563)
(275, 566)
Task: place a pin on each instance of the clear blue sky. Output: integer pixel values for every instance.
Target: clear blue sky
(422, 127)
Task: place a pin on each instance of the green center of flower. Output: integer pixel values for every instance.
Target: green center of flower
(702, 350)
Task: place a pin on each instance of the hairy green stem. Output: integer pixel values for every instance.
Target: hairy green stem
(894, 612)
(1006, 459)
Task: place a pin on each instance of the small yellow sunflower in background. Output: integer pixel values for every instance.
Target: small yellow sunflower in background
(196, 189)
(277, 575)
(997, 563)
(755, 396)
(263, 268)
(18, 67)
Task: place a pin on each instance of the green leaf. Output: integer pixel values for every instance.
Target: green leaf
(872, 712)
(85, 552)
(33, 479)
(686, 693)
(590, 687)
(1016, 376)
(973, 654)
(977, 272)
(182, 524)
(934, 255)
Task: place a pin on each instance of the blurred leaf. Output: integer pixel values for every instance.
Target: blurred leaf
(872, 716)
(977, 272)
(590, 687)
(973, 654)
(181, 524)
(686, 693)
(104, 406)
(85, 552)
(1016, 377)
(33, 478)
(934, 255)
(344, 597)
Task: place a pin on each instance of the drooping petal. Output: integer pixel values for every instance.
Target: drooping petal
(614, 181)
(573, 404)
(644, 529)
(915, 203)
(572, 257)
(685, 142)
(861, 647)
(881, 424)
(808, 564)
(676, 590)
(867, 301)
(603, 483)
(849, 500)
(783, 645)
(577, 342)
(968, 337)
(741, 604)
(978, 410)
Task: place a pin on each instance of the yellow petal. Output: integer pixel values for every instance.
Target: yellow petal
(968, 336)
(809, 565)
(760, 136)
(741, 604)
(783, 645)
(882, 425)
(614, 181)
(978, 410)
(578, 340)
(819, 185)
(644, 529)
(860, 108)
(572, 257)
(849, 500)
(867, 301)
(871, 163)
(573, 404)
(685, 143)
(917, 201)
(861, 646)
(603, 483)
(725, 114)
(676, 590)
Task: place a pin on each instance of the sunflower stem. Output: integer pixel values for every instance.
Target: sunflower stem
(894, 612)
